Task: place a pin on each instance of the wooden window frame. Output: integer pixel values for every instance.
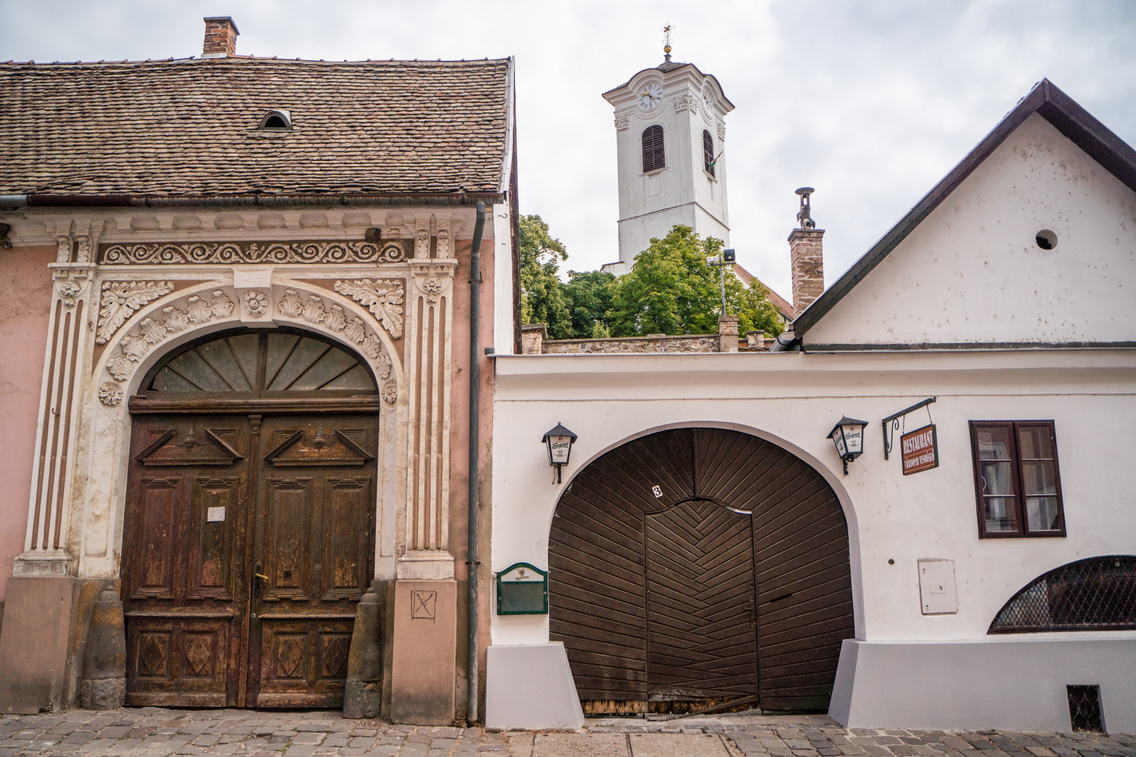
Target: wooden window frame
(654, 151)
(708, 152)
(1023, 530)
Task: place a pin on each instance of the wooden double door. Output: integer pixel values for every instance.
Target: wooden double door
(248, 542)
(696, 567)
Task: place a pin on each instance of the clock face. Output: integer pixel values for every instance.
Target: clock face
(707, 101)
(650, 96)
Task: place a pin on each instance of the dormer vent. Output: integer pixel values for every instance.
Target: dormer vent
(276, 120)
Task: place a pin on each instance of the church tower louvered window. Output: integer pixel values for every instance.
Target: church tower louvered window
(654, 156)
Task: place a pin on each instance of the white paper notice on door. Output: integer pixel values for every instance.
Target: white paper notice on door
(215, 515)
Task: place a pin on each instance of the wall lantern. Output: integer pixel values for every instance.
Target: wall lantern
(848, 436)
(559, 442)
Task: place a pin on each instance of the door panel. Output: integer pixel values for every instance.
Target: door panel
(236, 597)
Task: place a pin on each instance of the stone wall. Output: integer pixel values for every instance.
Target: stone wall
(534, 342)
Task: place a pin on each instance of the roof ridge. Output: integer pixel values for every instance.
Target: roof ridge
(256, 58)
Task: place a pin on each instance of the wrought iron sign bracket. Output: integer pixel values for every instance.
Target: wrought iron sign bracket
(891, 423)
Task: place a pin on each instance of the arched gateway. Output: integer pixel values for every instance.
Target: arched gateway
(249, 523)
(700, 566)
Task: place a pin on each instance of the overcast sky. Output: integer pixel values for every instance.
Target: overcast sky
(870, 102)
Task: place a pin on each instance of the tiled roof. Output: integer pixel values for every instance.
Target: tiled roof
(189, 127)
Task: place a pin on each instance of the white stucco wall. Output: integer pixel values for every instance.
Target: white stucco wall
(794, 399)
(972, 272)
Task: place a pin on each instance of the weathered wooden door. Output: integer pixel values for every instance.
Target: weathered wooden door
(248, 544)
(701, 620)
(695, 565)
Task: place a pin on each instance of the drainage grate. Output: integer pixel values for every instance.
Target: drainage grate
(1097, 594)
(1084, 708)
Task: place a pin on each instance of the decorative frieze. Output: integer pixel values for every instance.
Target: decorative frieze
(383, 297)
(152, 330)
(686, 102)
(391, 251)
(622, 121)
(121, 299)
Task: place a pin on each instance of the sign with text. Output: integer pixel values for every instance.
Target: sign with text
(920, 450)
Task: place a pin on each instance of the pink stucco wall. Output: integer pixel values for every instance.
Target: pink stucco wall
(26, 284)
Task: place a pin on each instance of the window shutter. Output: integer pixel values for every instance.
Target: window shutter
(653, 154)
(708, 152)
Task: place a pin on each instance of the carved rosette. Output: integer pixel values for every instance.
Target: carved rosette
(255, 302)
(154, 329)
(69, 284)
(110, 394)
(392, 251)
(383, 297)
(121, 299)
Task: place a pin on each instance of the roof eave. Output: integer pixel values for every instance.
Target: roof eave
(346, 198)
(1045, 99)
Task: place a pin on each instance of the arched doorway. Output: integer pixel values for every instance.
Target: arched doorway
(249, 521)
(696, 567)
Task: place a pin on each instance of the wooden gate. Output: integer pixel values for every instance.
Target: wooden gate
(698, 565)
(248, 536)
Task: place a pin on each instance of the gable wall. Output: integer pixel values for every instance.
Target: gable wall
(971, 272)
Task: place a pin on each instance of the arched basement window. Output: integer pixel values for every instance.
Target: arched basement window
(708, 152)
(654, 156)
(1097, 594)
(259, 362)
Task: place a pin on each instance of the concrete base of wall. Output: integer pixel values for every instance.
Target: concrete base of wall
(424, 665)
(530, 687)
(34, 644)
(1008, 682)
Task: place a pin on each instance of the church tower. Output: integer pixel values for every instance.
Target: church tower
(670, 142)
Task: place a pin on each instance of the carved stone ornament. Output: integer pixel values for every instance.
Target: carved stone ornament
(121, 299)
(256, 302)
(314, 310)
(389, 392)
(382, 296)
(444, 249)
(110, 393)
(622, 121)
(721, 131)
(422, 244)
(152, 330)
(69, 284)
(686, 102)
(392, 251)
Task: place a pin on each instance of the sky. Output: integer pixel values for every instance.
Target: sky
(870, 102)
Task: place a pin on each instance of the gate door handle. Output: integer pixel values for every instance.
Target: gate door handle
(261, 576)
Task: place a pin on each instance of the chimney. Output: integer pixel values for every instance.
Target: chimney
(220, 37)
(806, 256)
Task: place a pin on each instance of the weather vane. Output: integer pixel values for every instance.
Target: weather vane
(667, 42)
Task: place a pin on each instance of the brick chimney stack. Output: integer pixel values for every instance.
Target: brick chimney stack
(220, 37)
(806, 256)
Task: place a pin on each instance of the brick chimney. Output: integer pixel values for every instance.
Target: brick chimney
(806, 256)
(220, 37)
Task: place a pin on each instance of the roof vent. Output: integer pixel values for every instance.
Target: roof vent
(276, 120)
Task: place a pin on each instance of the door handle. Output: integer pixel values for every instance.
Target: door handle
(257, 586)
(261, 576)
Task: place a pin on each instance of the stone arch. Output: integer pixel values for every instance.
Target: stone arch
(648, 513)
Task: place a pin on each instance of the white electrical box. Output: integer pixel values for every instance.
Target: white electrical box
(937, 594)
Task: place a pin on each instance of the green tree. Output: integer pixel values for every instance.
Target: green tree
(590, 296)
(673, 290)
(542, 293)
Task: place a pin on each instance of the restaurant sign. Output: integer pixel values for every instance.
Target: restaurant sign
(920, 450)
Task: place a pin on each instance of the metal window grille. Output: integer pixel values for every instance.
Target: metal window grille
(1084, 708)
(654, 156)
(1097, 594)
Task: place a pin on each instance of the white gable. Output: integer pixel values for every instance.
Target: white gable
(973, 273)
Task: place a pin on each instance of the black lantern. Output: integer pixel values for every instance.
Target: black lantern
(559, 442)
(848, 436)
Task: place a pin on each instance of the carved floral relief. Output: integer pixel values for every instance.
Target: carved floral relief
(121, 299)
(382, 297)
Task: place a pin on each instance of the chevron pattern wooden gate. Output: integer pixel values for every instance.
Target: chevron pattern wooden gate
(700, 565)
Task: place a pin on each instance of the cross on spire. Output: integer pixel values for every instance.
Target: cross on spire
(667, 42)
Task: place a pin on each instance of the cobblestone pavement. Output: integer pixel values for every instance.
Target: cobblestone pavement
(153, 731)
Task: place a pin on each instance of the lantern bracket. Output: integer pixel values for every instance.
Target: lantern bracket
(891, 423)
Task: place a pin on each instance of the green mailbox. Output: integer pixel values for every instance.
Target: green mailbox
(522, 589)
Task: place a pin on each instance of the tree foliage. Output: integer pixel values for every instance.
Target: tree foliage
(671, 290)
